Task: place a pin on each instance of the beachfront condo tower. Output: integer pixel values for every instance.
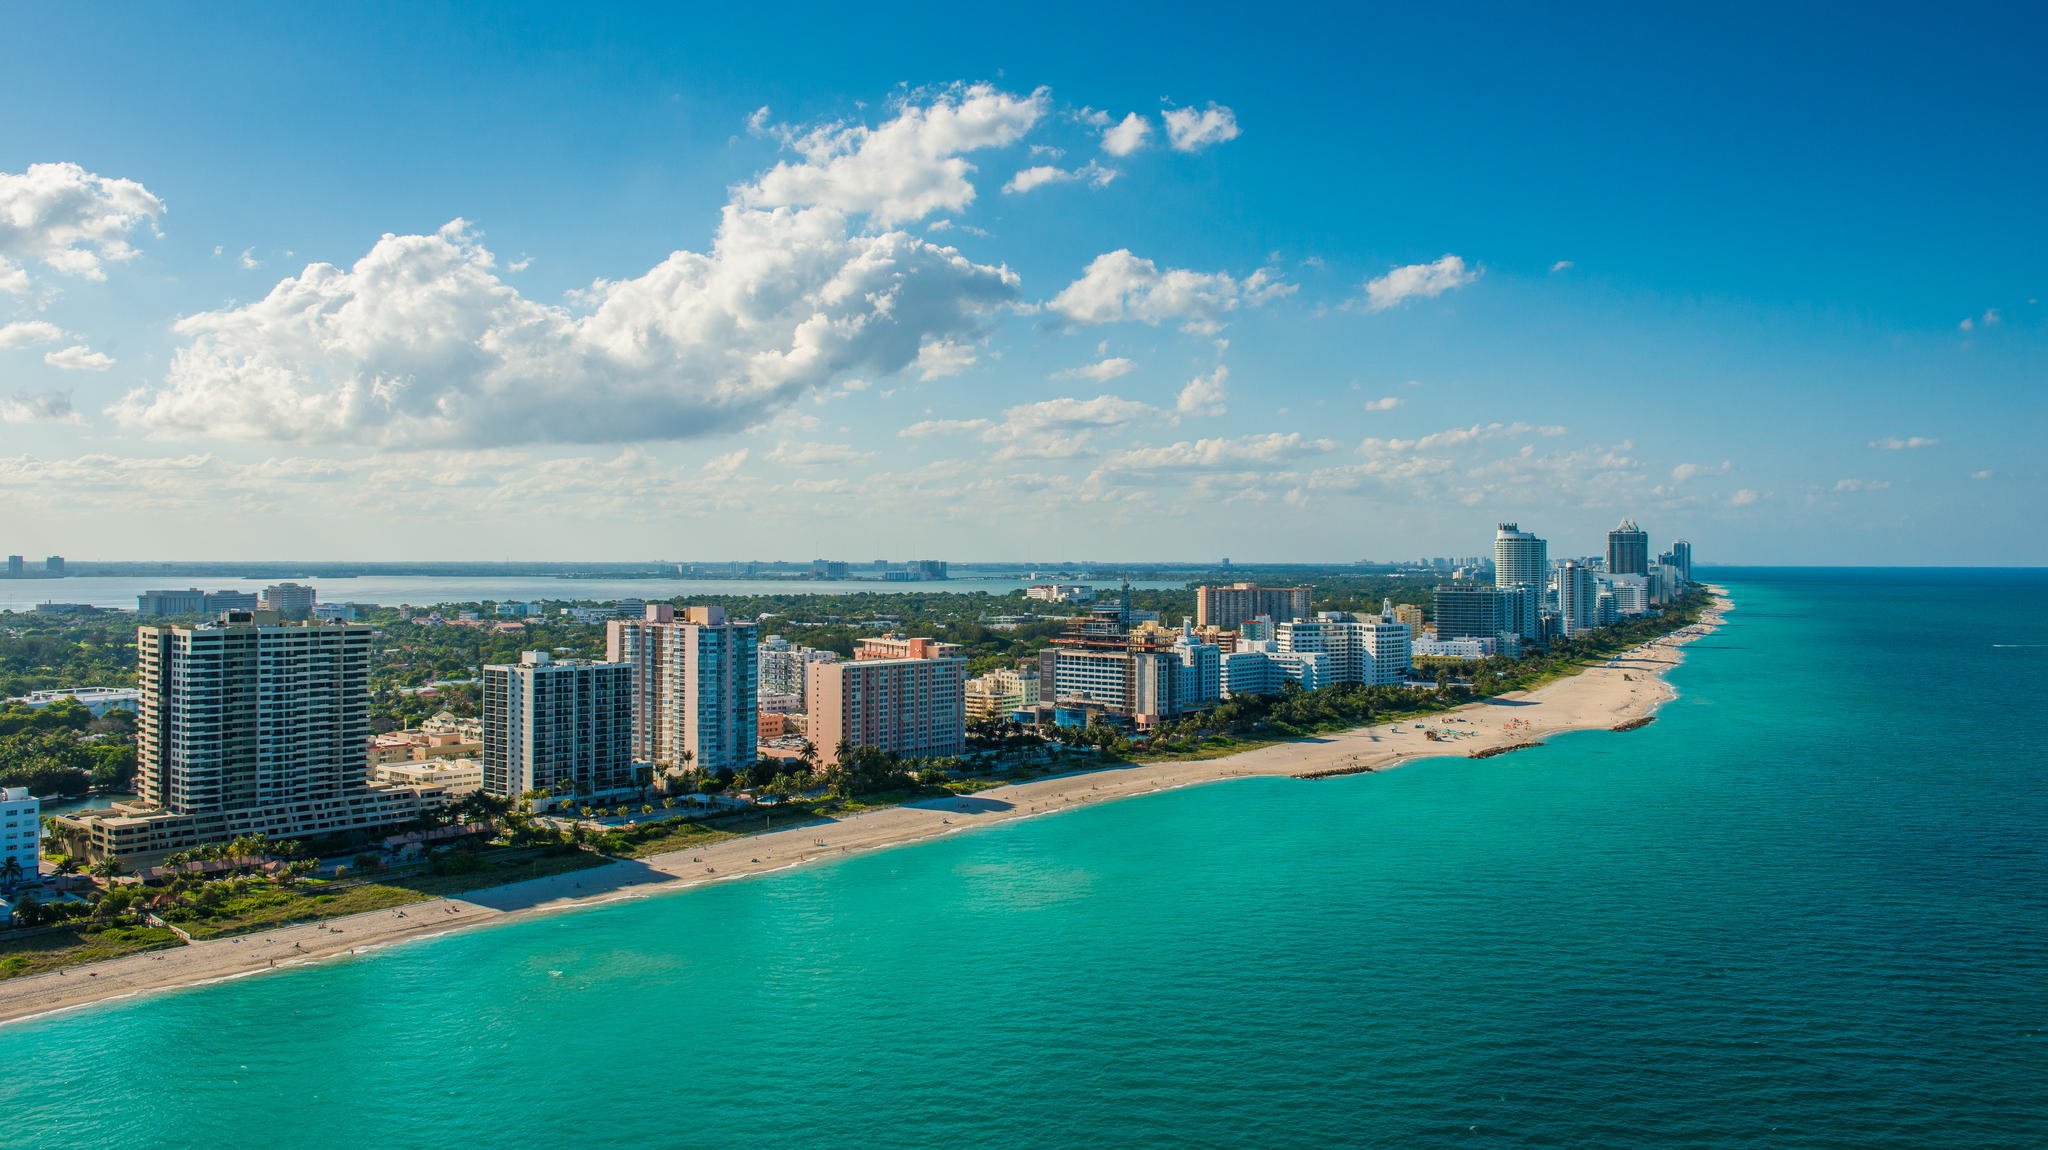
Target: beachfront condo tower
(1522, 560)
(564, 727)
(1628, 550)
(696, 687)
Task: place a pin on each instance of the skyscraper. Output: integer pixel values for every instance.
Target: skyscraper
(289, 600)
(1471, 611)
(563, 727)
(16, 568)
(1628, 549)
(247, 725)
(1229, 606)
(696, 687)
(54, 566)
(1578, 603)
(1522, 560)
(1680, 557)
(906, 696)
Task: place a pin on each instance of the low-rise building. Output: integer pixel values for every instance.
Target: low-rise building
(1000, 694)
(450, 778)
(1060, 592)
(98, 700)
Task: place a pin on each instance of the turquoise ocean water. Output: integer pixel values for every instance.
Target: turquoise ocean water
(1806, 908)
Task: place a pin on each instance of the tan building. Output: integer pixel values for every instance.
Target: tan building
(449, 778)
(419, 746)
(696, 687)
(1410, 614)
(999, 694)
(1229, 606)
(901, 695)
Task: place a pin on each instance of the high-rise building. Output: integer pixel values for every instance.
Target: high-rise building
(1229, 606)
(21, 829)
(246, 725)
(1578, 605)
(563, 727)
(1469, 611)
(1520, 559)
(1369, 649)
(1680, 558)
(16, 568)
(782, 666)
(289, 600)
(218, 601)
(696, 687)
(1410, 615)
(901, 695)
(54, 566)
(1628, 549)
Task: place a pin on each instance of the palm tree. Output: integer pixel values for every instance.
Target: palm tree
(10, 874)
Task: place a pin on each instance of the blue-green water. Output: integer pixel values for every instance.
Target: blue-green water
(1805, 908)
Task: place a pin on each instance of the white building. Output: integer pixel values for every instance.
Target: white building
(98, 700)
(1368, 649)
(1467, 648)
(1520, 559)
(696, 687)
(1578, 599)
(781, 667)
(563, 727)
(21, 828)
(1060, 592)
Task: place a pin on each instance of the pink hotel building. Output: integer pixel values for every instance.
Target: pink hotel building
(903, 695)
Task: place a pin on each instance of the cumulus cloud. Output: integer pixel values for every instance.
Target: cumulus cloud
(1126, 135)
(1063, 428)
(1205, 394)
(1037, 177)
(49, 406)
(905, 169)
(926, 429)
(1189, 130)
(1561, 266)
(29, 332)
(71, 221)
(421, 342)
(1903, 443)
(1983, 474)
(939, 358)
(1383, 403)
(1460, 436)
(78, 357)
(725, 466)
(1744, 498)
(1119, 286)
(1846, 485)
(1990, 318)
(1418, 281)
(1101, 371)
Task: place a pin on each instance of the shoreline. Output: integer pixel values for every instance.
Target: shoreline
(1621, 690)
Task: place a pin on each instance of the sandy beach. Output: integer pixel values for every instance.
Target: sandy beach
(1622, 690)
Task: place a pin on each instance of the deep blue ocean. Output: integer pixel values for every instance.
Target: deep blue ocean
(1808, 907)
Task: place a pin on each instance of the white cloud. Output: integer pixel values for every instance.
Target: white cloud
(1126, 135)
(1562, 266)
(1189, 130)
(1990, 318)
(1845, 485)
(71, 221)
(1249, 451)
(1101, 371)
(1120, 286)
(50, 406)
(1065, 427)
(1038, 177)
(725, 466)
(907, 168)
(939, 358)
(28, 332)
(1903, 443)
(925, 429)
(1383, 403)
(1418, 281)
(1685, 471)
(1460, 436)
(789, 453)
(1205, 394)
(1984, 474)
(78, 357)
(422, 343)
(1744, 498)
(248, 259)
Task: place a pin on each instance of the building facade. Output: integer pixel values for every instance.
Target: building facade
(1369, 649)
(696, 687)
(1578, 605)
(902, 695)
(1520, 559)
(1002, 693)
(565, 727)
(1232, 605)
(781, 667)
(289, 600)
(21, 831)
(246, 725)
(1628, 549)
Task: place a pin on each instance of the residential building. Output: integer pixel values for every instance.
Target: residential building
(1577, 599)
(696, 687)
(246, 724)
(15, 567)
(895, 694)
(1628, 549)
(1232, 605)
(21, 830)
(781, 668)
(1002, 693)
(1473, 611)
(289, 600)
(54, 567)
(1060, 592)
(1260, 670)
(450, 779)
(565, 727)
(218, 601)
(1410, 616)
(1631, 593)
(1520, 559)
(1680, 559)
(1368, 649)
(1471, 649)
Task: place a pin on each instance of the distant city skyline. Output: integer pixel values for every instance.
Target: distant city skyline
(609, 287)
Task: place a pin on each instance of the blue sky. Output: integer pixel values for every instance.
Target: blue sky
(1149, 285)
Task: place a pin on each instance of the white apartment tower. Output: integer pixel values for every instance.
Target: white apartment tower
(561, 727)
(696, 687)
(1522, 560)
